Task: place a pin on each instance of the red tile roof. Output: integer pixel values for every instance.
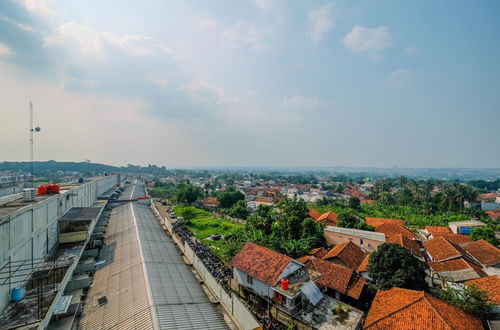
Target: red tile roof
(375, 222)
(412, 245)
(265, 200)
(349, 253)
(441, 249)
(458, 239)
(261, 263)
(211, 201)
(314, 214)
(328, 218)
(455, 265)
(319, 252)
(484, 252)
(390, 229)
(337, 277)
(408, 309)
(493, 214)
(368, 201)
(491, 284)
(364, 265)
(436, 231)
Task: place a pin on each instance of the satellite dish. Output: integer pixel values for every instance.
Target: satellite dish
(37, 129)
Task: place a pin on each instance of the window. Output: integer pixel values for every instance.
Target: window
(361, 241)
(249, 279)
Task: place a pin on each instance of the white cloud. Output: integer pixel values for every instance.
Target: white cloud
(42, 7)
(20, 26)
(205, 92)
(263, 5)
(244, 32)
(411, 51)
(158, 80)
(302, 101)
(399, 77)
(362, 39)
(208, 23)
(91, 42)
(320, 22)
(5, 51)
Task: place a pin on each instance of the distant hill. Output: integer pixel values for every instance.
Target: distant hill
(53, 166)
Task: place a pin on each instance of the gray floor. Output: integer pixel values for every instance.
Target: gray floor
(180, 301)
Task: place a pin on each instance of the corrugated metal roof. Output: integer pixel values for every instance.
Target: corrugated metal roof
(180, 301)
(81, 213)
(311, 291)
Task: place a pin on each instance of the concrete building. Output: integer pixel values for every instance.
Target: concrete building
(29, 229)
(464, 227)
(367, 240)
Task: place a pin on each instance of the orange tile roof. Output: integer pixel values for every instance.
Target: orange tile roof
(364, 265)
(368, 201)
(454, 265)
(375, 222)
(304, 259)
(314, 214)
(408, 309)
(390, 229)
(348, 252)
(319, 252)
(491, 284)
(265, 200)
(438, 230)
(458, 239)
(328, 218)
(261, 263)
(355, 287)
(333, 276)
(484, 252)
(412, 245)
(441, 249)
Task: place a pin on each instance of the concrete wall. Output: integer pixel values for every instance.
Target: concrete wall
(368, 245)
(31, 232)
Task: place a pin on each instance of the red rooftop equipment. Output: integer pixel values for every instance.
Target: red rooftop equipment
(48, 189)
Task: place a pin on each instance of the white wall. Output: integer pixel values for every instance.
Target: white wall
(259, 287)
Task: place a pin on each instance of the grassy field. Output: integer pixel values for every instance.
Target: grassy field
(203, 225)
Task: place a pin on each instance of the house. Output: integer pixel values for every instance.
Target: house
(464, 227)
(369, 241)
(375, 222)
(314, 214)
(210, 202)
(339, 281)
(328, 219)
(398, 308)
(394, 228)
(435, 231)
(484, 253)
(346, 254)
(490, 284)
(275, 276)
(493, 214)
(363, 268)
(490, 206)
(451, 262)
(410, 244)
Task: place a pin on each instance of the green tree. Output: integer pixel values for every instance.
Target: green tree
(392, 265)
(187, 193)
(470, 298)
(354, 203)
(486, 232)
(239, 210)
(347, 220)
(229, 197)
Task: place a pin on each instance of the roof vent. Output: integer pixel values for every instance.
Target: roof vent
(29, 194)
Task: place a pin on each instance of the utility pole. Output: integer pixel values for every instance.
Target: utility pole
(32, 133)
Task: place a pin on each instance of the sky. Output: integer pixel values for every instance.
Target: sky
(252, 82)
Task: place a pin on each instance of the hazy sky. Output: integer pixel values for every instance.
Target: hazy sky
(255, 82)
